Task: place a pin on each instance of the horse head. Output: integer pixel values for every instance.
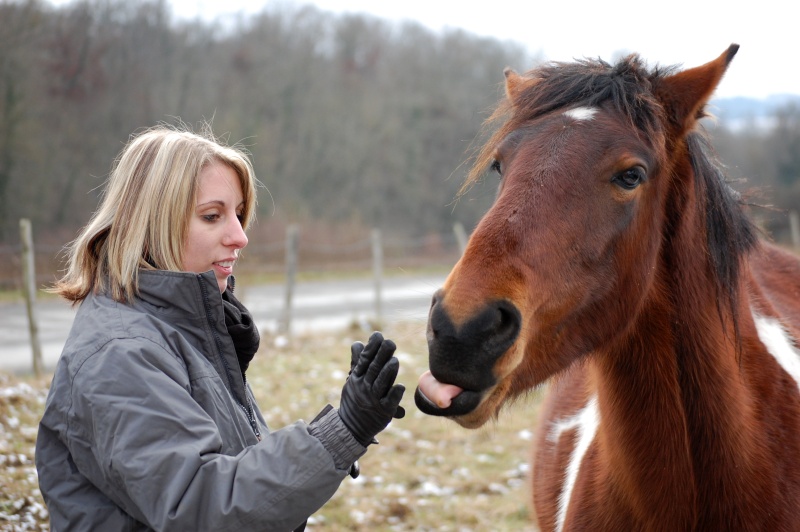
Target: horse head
(589, 160)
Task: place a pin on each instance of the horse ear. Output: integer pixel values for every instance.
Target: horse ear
(685, 94)
(515, 84)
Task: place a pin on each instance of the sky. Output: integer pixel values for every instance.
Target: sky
(670, 32)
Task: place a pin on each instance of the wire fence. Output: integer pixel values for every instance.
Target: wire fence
(324, 252)
(268, 257)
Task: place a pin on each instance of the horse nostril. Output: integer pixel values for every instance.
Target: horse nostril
(505, 318)
(435, 309)
(507, 323)
(437, 296)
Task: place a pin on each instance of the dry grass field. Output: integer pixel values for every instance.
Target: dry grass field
(427, 474)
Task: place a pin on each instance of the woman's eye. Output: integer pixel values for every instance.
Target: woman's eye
(496, 167)
(210, 217)
(631, 178)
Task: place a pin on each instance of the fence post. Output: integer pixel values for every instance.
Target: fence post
(292, 232)
(377, 271)
(29, 291)
(461, 236)
(794, 226)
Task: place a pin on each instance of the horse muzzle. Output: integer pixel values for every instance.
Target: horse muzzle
(462, 356)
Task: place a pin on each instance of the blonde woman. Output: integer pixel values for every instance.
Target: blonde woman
(150, 422)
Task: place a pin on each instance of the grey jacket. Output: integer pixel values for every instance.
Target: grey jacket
(150, 425)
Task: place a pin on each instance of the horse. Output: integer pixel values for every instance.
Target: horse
(618, 267)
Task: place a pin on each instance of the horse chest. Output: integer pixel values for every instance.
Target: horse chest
(584, 424)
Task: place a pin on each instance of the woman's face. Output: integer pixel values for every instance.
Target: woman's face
(215, 229)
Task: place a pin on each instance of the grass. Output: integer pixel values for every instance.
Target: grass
(21, 404)
(427, 474)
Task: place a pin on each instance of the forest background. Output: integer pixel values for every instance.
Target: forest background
(353, 122)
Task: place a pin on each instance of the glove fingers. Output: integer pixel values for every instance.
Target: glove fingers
(355, 352)
(365, 358)
(391, 403)
(383, 356)
(385, 378)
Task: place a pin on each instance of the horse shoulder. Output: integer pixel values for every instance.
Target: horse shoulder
(775, 304)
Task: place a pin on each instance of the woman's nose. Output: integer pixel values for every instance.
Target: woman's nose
(236, 236)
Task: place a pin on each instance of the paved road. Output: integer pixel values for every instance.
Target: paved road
(323, 305)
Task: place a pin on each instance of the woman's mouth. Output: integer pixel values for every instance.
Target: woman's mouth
(224, 266)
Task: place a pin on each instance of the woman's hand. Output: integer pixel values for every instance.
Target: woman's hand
(370, 398)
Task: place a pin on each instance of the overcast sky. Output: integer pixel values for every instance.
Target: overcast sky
(684, 32)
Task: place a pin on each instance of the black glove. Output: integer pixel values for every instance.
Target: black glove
(370, 399)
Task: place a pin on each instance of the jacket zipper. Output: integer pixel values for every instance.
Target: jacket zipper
(248, 410)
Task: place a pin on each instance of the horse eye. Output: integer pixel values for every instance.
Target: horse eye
(496, 167)
(631, 178)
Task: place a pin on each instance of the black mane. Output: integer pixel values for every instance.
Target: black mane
(592, 83)
(730, 234)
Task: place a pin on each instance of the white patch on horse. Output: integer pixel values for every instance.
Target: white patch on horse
(779, 344)
(586, 421)
(581, 113)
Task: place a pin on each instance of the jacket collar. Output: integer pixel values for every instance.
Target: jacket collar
(186, 297)
(179, 291)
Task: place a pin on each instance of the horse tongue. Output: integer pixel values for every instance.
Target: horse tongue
(437, 392)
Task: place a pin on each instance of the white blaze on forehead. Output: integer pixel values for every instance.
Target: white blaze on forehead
(779, 344)
(586, 422)
(581, 113)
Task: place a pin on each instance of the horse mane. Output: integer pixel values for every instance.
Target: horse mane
(730, 234)
(627, 86)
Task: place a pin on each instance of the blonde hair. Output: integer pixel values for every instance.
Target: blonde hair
(144, 215)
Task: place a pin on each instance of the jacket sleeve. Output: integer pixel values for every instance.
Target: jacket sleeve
(156, 453)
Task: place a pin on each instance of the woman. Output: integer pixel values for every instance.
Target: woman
(150, 422)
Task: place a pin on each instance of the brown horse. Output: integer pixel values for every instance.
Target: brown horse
(617, 264)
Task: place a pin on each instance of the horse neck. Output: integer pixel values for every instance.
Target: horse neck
(674, 408)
